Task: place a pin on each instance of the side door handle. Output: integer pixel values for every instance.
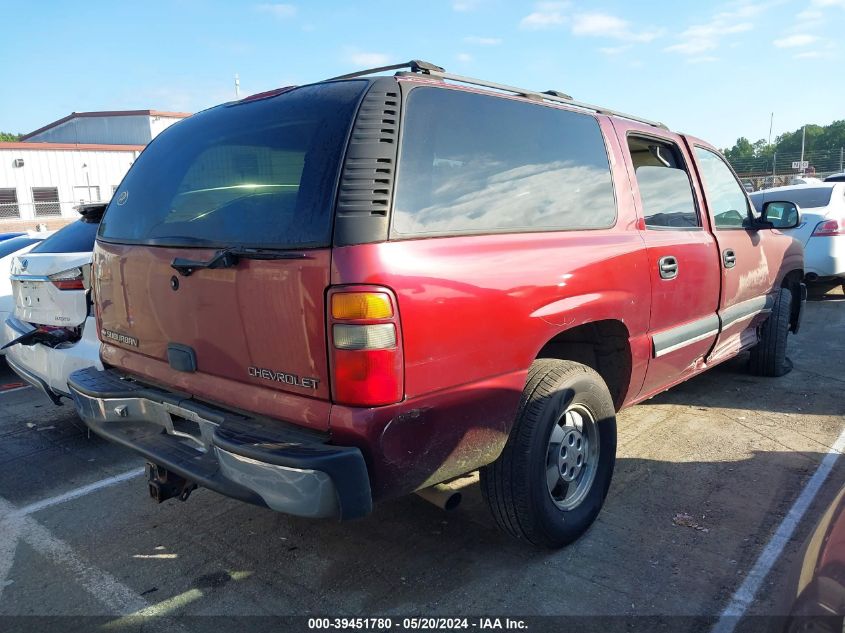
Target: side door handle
(729, 257)
(668, 267)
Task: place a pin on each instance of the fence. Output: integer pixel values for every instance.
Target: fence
(780, 168)
(27, 216)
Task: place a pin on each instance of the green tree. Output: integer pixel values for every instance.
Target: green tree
(8, 136)
(742, 149)
(822, 145)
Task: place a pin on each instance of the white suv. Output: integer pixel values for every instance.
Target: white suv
(52, 330)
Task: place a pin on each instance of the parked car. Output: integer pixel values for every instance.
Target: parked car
(52, 331)
(816, 584)
(325, 296)
(8, 236)
(9, 248)
(836, 178)
(821, 230)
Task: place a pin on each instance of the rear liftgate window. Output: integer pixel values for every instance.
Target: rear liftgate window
(259, 173)
(473, 163)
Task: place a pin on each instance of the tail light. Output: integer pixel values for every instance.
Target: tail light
(70, 279)
(830, 227)
(366, 346)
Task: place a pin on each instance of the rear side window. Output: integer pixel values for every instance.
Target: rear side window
(7, 247)
(472, 163)
(664, 184)
(77, 237)
(260, 173)
(809, 198)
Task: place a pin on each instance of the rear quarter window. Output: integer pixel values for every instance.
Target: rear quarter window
(76, 237)
(474, 163)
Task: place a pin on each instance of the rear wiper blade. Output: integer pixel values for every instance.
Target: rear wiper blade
(229, 257)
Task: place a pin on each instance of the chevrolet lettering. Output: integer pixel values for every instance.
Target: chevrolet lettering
(278, 376)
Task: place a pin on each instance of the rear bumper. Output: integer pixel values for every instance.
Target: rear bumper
(825, 256)
(259, 461)
(4, 331)
(48, 368)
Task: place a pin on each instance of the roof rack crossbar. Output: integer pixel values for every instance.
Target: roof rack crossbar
(555, 96)
(415, 65)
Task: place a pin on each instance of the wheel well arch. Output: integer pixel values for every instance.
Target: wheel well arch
(602, 345)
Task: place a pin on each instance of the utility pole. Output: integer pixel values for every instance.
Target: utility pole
(803, 137)
(774, 166)
(771, 121)
(237, 86)
(841, 156)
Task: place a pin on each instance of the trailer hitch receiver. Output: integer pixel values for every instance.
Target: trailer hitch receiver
(164, 485)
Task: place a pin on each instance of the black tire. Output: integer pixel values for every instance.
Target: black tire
(768, 357)
(515, 485)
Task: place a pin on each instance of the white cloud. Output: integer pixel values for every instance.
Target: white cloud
(464, 57)
(614, 50)
(364, 59)
(794, 41)
(281, 11)
(809, 55)
(463, 6)
(606, 25)
(810, 15)
(707, 36)
(703, 59)
(483, 41)
(546, 15)
(828, 3)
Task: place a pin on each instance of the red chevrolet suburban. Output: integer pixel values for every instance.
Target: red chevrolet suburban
(325, 296)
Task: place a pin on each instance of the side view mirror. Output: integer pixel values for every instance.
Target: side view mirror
(781, 214)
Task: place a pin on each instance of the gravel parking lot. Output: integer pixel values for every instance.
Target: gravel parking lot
(730, 450)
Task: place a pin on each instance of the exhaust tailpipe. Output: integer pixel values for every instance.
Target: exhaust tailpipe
(441, 496)
(448, 495)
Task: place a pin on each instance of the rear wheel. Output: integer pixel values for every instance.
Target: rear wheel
(768, 357)
(550, 482)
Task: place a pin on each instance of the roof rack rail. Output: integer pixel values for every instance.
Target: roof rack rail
(555, 96)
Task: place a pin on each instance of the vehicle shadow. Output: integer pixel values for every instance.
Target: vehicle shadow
(675, 538)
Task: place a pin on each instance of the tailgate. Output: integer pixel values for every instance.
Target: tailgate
(40, 301)
(259, 322)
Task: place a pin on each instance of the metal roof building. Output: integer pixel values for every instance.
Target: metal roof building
(79, 158)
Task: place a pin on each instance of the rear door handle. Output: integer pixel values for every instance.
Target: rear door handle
(668, 267)
(729, 257)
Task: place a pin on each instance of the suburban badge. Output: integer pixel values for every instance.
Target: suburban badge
(117, 337)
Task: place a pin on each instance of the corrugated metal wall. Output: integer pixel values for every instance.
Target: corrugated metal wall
(70, 171)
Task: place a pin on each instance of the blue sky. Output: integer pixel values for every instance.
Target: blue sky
(716, 70)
